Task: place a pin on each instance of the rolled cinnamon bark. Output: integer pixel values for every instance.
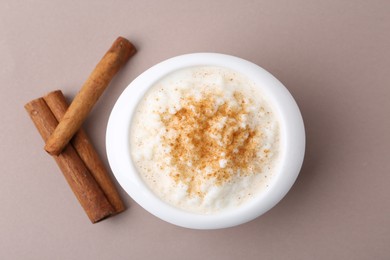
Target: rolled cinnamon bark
(83, 185)
(109, 65)
(58, 105)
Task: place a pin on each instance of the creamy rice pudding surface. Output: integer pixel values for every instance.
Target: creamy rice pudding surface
(204, 139)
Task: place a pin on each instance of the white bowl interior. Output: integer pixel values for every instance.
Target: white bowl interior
(292, 142)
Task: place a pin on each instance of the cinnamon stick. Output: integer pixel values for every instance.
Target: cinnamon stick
(58, 105)
(105, 70)
(83, 185)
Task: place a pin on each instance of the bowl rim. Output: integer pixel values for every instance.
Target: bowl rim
(292, 142)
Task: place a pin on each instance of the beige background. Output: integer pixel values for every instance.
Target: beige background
(333, 56)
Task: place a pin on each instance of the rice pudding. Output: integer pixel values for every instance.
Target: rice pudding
(205, 139)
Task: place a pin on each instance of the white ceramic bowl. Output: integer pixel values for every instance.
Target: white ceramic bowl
(292, 142)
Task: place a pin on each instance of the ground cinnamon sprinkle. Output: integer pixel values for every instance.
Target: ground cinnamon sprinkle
(205, 139)
(209, 140)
